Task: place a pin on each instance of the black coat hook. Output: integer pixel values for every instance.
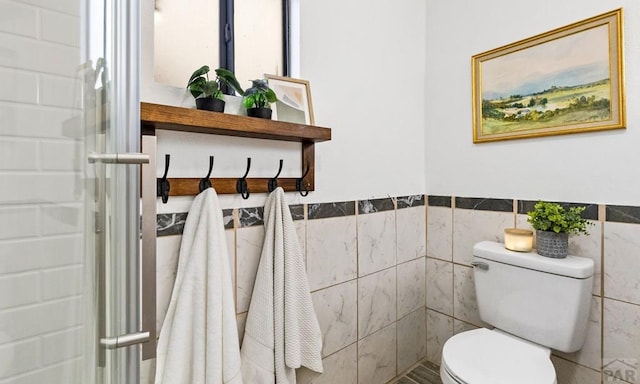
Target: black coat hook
(206, 182)
(241, 185)
(300, 185)
(273, 182)
(162, 185)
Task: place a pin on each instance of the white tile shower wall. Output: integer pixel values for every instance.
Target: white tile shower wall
(613, 335)
(41, 241)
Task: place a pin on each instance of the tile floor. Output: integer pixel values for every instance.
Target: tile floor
(423, 373)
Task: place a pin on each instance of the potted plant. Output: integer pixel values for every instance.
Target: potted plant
(208, 93)
(257, 99)
(553, 224)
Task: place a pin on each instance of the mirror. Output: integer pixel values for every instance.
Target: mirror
(186, 37)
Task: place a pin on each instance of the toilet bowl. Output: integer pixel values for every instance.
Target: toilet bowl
(484, 356)
(535, 304)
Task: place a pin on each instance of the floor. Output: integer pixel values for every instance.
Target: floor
(423, 373)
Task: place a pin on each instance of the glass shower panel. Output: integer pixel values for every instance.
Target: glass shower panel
(68, 228)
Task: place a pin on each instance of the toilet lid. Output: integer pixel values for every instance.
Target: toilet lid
(483, 356)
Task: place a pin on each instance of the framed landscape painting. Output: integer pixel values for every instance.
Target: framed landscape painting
(564, 81)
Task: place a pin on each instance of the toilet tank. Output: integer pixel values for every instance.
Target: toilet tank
(537, 298)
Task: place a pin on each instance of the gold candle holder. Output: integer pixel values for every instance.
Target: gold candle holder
(519, 240)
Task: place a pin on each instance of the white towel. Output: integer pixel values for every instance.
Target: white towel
(282, 331)
(199, 338)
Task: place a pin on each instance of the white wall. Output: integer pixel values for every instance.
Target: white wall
(599, 167)
(365, 62)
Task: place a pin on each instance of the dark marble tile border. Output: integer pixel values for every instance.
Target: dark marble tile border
(328, 210)
(227, 217)
(439, 201)
(169, 224)
(249, 217)
(590, 212)
(297, 211)
(375, 205)
(482, 204)
(410, 201)
(623, 214)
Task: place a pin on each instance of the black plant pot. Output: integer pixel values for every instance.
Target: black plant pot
(263, 113)
(209, 104)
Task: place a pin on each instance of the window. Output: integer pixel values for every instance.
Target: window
(252, 38)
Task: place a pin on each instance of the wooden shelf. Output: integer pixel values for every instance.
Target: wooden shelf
(156, 116)
(164, 117)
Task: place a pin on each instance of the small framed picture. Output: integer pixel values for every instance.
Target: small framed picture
(294, 100)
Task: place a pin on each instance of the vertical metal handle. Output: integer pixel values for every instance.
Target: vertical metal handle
(148, 267)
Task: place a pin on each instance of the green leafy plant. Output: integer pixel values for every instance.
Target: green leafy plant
(553, 217)
(259, 95)
(201, 87)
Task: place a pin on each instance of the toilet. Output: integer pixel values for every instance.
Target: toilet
(535, 303)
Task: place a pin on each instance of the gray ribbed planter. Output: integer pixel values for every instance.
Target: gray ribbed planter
(551, 244)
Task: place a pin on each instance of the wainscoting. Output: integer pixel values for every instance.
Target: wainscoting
(391, 281)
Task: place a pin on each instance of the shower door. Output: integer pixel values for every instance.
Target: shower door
(113, 189)
(69, 192)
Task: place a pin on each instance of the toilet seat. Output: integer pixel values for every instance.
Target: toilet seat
(485, 356)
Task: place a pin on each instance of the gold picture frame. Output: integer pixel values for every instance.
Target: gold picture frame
(294, 99)
(567, 80)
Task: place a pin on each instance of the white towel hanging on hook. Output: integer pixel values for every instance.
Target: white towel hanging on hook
(282, 332)
(199, 338)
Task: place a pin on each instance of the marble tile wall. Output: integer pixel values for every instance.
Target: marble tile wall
(612, 349)
(388, 296)
(366, 268)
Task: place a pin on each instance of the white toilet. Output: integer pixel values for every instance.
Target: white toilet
(535, 304)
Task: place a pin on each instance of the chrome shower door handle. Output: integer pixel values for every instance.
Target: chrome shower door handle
(145, 333)
(118, 158)
(125, 340)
